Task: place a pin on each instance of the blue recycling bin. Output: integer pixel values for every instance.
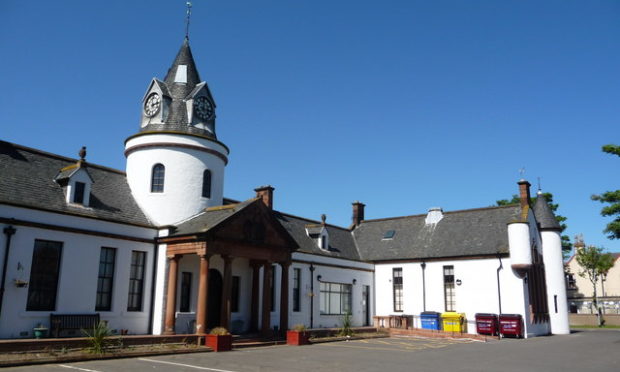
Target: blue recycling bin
(430, 320)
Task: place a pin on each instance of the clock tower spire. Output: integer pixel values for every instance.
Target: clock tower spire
(175, 164)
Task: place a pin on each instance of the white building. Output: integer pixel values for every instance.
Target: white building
(158, 249)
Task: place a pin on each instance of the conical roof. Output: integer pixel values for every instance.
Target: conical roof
(181, 85)
(544, 215)
(182, 76)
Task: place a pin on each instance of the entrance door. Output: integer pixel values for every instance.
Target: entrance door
(366, 305)
(214, 301)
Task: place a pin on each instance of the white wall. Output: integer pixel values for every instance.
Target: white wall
(478, 292)
(360, 271)
(182, 196)
(79, 268)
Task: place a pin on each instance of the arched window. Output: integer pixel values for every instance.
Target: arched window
(206, 184)
(157, 178)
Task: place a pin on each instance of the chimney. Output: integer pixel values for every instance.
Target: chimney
(266, 194)
(524, 193)
(435, 214)
(358, 213)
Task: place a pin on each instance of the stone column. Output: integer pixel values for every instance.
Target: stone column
(284, 297)
(266, 315)
(203, 286)
(171, 299)
(255, 293)
(226, 292)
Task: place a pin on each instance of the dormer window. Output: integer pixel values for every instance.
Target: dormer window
(157, 178)
(76, 183)
(78, 193)
(323, 242)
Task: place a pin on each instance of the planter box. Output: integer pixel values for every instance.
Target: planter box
(297, 338)
(219, 343)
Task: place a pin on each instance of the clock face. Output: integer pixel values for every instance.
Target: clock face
(203, 108)
(152, 105)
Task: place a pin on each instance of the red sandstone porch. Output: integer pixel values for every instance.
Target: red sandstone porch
(246, 230)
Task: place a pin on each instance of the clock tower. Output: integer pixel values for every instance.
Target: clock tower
(175, 164)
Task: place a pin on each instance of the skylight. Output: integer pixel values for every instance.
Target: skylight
(389, 234)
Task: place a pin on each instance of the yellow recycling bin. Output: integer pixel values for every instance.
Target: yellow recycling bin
(453, 322)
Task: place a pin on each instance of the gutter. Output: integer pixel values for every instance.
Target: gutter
(8, 231)
(312, 297)
(499, 292)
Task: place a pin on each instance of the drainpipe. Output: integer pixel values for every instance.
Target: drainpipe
(8, 231)
(423, 265)
(153, 278)
(312, 297)
(499, 292)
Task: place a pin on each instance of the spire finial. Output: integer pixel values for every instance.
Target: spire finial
(82, 153)
(522, 172)
(189, 13)
(539, 188)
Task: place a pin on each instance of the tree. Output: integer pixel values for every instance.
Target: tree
(613, 198)
(594, 263)
(567, 246)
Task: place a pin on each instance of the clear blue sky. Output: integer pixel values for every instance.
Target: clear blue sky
(403, 105)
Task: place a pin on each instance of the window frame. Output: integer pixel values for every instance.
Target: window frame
(101, 277)
(40, 267)
(397, 289)
(449, 289)
(341, 292)
(185, 302)
(207, 179)
(296, 289)
(135, 298)
(79, 192)
(235, 290)
(158, 178)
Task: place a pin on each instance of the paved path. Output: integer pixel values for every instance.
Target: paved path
(596, 350)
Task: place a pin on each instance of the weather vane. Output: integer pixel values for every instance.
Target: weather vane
(189, 13)
(539, 189)
(522, 172)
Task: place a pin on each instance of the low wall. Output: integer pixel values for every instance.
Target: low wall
(590, 319)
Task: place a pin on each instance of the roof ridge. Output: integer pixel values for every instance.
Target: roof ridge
(448, 212)
(315, 221)
(61, 157)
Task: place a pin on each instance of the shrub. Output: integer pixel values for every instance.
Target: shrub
(98, 338)
(219, 331)
(299, 327)
(346, 325)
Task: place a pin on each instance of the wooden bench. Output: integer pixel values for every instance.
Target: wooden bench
(70, 325)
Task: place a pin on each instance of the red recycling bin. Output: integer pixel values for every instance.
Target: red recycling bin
(511, 325)
(487, 324)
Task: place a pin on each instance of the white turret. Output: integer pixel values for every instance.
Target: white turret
(550, 233)
(175, 164)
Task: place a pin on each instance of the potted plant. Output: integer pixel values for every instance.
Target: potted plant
(40, 331)
(219, 339)
(299, 335)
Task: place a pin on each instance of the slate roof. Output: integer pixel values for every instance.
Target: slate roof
(177, 119)
(27, 179)
(460, 233)
(341, 244)
(206, 220)
(544, 215)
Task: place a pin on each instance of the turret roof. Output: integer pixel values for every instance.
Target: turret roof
(544, 215)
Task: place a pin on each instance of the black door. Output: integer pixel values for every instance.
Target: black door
(214, 301)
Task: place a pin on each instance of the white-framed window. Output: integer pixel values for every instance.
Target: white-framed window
(336, 298)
